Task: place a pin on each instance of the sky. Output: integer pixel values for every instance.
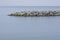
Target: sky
(29, 2)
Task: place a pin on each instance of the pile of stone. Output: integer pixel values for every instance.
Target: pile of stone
(36, 13)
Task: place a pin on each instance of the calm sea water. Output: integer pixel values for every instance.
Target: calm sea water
(28, 28)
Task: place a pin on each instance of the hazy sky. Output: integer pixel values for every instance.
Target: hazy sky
(29, 2)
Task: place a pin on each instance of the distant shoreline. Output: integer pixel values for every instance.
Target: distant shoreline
(36, 13)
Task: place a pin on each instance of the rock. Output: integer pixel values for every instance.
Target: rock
(36, 13)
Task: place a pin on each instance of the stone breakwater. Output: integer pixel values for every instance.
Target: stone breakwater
(36, 13)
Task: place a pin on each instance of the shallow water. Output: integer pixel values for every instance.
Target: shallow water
(28, 28)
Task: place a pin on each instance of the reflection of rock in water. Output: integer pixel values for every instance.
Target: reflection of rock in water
(36, 13)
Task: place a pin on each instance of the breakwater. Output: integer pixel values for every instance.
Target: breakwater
(36, 13)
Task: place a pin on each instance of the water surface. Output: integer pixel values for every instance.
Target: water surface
(28, 28)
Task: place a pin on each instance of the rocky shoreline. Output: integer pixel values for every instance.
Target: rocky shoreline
(36, 13)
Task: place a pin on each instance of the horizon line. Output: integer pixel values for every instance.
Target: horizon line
(0, 6)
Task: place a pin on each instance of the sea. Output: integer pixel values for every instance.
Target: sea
(28, 28)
